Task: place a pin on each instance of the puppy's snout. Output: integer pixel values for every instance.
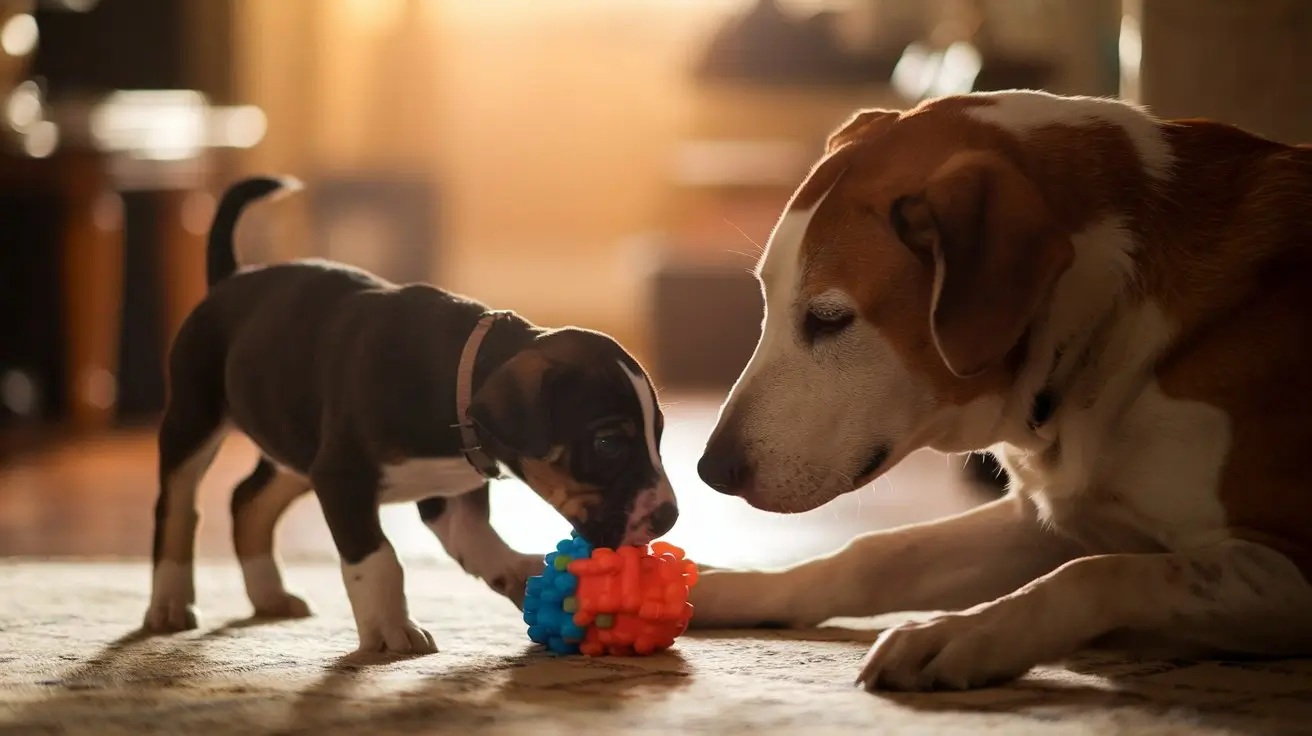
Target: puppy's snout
(662, 519)
(724, 465)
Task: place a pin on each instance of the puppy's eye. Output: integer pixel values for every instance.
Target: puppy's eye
(826, 323)
(609, 445)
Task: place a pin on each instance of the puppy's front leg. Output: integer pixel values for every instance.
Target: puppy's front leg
(375, 581)
(463, 525)
(946, 564)
(1231, 598)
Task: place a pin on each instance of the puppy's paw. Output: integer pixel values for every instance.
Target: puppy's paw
(986, 645)
(511, 579)
(728, 599)
(170, 616)
(402, 637)
(286, 606)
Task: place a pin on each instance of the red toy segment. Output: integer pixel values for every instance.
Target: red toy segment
(632, 601)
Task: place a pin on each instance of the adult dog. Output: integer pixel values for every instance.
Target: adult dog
(1118, 306)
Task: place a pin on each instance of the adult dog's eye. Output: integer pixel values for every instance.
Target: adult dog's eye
(826, 322)
(608, 444)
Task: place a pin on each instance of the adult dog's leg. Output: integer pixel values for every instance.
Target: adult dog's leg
(1233, 597)
(463, 525)
(947, 564)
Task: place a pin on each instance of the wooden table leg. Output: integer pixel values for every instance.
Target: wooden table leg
(93, 293)
(184, 221)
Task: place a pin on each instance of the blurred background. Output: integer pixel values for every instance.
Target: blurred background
(614, 164)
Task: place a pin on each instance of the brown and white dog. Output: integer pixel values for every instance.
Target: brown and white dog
(372, 393)
(1119, 306)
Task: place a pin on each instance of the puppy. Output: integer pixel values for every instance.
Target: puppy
(1117, 307)
(366, 393)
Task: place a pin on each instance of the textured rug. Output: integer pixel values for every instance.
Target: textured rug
(69, 665)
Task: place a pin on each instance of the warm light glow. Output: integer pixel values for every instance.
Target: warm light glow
(41, 139)
(1130, 49)
(19, 35)
(373, 16)
(237, 127)
(161, 125)
(957, 73)
(24, 107)
(18, 393)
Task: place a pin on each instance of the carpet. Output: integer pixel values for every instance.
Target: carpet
(69, 665)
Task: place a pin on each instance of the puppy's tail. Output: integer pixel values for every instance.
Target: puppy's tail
(221, 255)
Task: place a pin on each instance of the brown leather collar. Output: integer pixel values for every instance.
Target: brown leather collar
(484, 463)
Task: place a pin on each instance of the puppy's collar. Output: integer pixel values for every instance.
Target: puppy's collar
(473, 451)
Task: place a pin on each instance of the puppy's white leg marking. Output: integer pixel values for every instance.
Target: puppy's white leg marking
(466, 533)
(947, 564)
(1232, 597)
(376, 589)
(254, 525)
(173, 583)
(638, 528)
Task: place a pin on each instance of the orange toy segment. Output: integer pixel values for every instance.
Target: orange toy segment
(631, 601)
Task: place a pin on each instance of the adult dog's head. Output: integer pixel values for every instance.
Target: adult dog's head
(899, 285)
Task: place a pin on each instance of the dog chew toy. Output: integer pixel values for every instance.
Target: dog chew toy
(621, 602)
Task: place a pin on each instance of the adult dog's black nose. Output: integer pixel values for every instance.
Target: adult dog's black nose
(724, 465)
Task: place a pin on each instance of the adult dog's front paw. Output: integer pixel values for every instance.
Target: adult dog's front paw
(396, 637)
(991, 643)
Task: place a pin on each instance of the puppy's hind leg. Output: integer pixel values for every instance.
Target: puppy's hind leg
(257, 504)
(190, 436)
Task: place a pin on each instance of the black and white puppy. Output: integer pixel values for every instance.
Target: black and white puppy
(367, 393)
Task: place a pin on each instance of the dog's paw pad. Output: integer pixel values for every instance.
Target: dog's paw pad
(406, 638)
(168, 618)
(289, 606)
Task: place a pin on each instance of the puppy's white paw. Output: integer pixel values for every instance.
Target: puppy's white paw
(171, 616)
(988, 644)
(172, 600)
(396, 637)
(284, 606)
(376, 589)
(513, 576)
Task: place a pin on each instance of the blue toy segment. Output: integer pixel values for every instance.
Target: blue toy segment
(549, 602)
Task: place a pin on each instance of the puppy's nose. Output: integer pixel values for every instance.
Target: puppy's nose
(662, 519)
(724, 465)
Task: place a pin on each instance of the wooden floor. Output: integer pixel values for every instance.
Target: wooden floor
(95, 498)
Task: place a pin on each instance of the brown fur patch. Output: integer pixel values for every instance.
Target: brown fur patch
(549, 479)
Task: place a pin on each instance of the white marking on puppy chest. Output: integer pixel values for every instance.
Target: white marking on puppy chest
(419, 478)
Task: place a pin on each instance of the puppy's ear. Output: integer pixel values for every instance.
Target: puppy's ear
(997, 252)
(514, 404)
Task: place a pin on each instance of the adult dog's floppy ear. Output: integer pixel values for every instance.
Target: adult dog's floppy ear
(514, 404)
(997, 253)
(864, 124)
